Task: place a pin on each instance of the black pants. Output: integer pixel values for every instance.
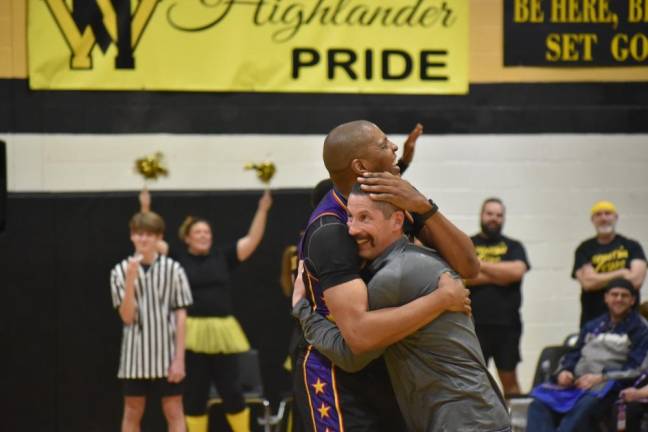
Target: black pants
(204, 369)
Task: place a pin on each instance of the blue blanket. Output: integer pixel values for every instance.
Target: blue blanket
(563, 399)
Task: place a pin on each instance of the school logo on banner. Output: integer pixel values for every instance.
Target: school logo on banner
(91, 24)
(348, 46)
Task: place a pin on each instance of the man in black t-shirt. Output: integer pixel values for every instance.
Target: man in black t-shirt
(326, 397)
(603, 258)
(496, 295)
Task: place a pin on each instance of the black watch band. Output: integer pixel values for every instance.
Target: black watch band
(428, 214)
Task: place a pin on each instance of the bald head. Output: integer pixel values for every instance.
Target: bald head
(347, 142)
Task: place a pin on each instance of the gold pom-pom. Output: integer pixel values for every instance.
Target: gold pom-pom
(264, 170)
(151, 166)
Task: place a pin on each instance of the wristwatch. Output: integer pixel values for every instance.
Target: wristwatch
(428, 214)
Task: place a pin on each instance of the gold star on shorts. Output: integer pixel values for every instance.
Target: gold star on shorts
(324, 410)
(319, 386)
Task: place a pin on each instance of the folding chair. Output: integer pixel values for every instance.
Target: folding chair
(282, 421)
(252, 388)
(547, 363)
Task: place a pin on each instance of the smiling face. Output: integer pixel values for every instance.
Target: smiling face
(199, 238)
(604, 222)
(373, 225)
(619, 301)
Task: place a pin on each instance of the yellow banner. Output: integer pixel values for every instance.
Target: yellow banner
(341, 46)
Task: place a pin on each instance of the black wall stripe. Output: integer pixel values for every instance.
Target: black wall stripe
(488, 108)
(3, 184)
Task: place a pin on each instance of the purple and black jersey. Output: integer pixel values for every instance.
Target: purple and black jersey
(330, 255)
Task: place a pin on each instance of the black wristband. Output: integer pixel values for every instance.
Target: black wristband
(428, 214)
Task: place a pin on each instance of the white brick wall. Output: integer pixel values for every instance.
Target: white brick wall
(548, 183)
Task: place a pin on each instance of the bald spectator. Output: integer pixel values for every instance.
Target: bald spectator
(605, 257)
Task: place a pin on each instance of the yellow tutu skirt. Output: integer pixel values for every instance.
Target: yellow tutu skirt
(215, 335)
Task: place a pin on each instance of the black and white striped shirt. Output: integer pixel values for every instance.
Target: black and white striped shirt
(148, 345)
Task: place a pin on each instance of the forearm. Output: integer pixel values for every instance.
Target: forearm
(569, 360)
(128, 307)
(619, 375)
(592, 281)
(181, 320)
(637, 273)
(481, 279)
(327, 339)
(248, 244)
(145, 200)
(257, 227)
(452, 243)
(371, 330)
(504, 273)
(643, 392)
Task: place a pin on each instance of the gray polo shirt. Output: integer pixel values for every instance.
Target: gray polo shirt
(438, 373)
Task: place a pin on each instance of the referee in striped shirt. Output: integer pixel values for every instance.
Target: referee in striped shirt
(151, 292)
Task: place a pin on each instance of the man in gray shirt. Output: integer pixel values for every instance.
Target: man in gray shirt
(437, 371)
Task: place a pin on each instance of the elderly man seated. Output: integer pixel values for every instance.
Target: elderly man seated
(610, 347)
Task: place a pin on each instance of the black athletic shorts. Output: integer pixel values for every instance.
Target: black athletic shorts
(150, 387)
(365, 400)
(502, 343)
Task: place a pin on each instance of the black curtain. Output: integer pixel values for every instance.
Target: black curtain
(62, 333)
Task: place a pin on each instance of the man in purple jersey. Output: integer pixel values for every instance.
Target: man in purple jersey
(327, 398)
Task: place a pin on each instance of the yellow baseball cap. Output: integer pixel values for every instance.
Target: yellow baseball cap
(603, 206)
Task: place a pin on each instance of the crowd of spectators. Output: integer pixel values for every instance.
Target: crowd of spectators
(601, 383)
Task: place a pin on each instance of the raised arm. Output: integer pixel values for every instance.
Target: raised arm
(437, 232)
(408, 148)
(128, 306)
(248, 244)
(144, 198)
(452, 243)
